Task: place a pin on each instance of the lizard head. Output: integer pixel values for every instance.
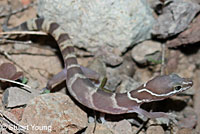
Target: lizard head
(165, 86)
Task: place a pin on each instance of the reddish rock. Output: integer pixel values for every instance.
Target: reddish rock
(121, 127)
(189, 120)
(186, 131)
(189, 36)
(172, 61)
(53, 113)
(18, 112)
(9, 71)
(155, 130)
(98, 129)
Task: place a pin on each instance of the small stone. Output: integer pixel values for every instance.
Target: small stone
(155, 130)
(53, 113)
(9, 71)
(21, 46)
(99, 129)
(91, 119)
(142, 51)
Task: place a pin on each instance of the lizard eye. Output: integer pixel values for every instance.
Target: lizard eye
(177, 87)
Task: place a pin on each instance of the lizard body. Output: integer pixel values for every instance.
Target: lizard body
(86, 93)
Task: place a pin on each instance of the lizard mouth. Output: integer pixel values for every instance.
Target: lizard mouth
(187, 83)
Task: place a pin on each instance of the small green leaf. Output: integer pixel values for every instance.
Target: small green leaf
(46, 91)
(103, 82)
(154, 61)
(102, 85)
(24, 80)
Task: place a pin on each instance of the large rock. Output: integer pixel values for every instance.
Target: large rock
(176, 17)
(53, 113)
(189, 36)
(94, 23)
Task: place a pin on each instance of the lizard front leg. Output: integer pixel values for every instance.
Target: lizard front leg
(151, 115)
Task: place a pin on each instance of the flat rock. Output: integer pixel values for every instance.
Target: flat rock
(15, 97)
(140, 52)
(121, 127)
(93, 23)
(53, 113)
(189, 36)
(176, 17)
(99, 129)
(155, 130)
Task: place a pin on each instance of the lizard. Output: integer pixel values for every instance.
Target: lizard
(85, 92)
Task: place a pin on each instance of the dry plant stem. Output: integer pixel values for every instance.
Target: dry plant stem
(23, 32)
(1, 9)
(7, 17)
(10, 123)
(142, 126)
(18, 10)
(95, 122)
(10, 59)
(4, 40)
(11, 81)
(163, 59)
(33, 54)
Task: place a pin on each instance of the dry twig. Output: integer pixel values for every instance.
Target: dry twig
(163, 59)
(23, 32)
(14, 41)
(18, 10)
(8, 123)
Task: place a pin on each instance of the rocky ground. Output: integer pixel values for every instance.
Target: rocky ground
(168, 43)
